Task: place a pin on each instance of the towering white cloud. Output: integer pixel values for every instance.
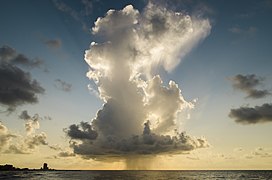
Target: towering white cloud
(138, 108)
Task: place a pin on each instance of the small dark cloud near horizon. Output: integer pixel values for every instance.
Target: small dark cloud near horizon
(252, 115)
(53, 43)
(62, 85)
(17, 87)
(248, 84)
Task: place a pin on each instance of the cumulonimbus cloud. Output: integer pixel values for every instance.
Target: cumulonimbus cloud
(252, 115)
(139, 109)
(248, 84)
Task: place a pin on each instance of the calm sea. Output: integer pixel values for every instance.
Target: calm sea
(131, 175)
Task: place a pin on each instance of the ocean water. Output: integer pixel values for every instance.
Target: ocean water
(135, 175)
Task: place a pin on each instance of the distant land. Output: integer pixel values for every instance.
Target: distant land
(9, 167)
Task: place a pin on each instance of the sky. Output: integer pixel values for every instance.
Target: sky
(96, 84)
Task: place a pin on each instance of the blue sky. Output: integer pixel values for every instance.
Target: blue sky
(239, 42)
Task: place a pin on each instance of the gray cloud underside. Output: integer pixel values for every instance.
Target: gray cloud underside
(91, 145)
(252, 115)
(248, 84)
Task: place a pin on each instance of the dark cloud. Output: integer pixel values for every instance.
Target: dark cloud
(252, 115)
(17, 87)
(82, 131)
(53, 43)
(62, 85)
(24, 115)
(248, 84)
(10, 56)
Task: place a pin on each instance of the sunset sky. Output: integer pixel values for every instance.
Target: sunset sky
(146, 84)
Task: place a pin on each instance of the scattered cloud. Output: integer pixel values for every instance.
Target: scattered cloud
(32, 123)
(193, 158)
(62, 85)
(16, 144)
(55, 147)
(28, 145)
(53, 43)
(259, 153)
(5, 136)
(252, 115)
(66, 154)
(139, 109)
(38, 139)
(8, 55)
(248, 84)
(17, 87)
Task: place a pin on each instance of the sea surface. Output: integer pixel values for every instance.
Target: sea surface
(133, 175)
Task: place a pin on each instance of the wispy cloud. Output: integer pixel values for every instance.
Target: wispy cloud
(62, 85)
(76, 15)
(53, 43)
(243, 31)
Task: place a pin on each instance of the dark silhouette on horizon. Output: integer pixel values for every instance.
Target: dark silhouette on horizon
(9, 167)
